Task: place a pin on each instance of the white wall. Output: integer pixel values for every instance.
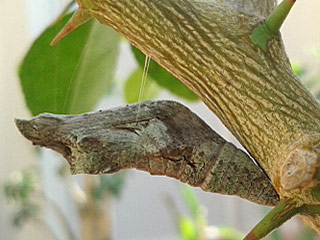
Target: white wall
(15, 151)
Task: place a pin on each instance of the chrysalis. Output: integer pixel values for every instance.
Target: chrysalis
(165, 139)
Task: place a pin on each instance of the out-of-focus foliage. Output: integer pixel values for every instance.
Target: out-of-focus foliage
(311, 82)
(163, 78)
(228, 233)
(187, 229)
(195, 226)
(306, 233)
(132, 88)
(298, 69)
(20, 189)
(69, 78)
(192, 228)
(72, 76)
(108, 184)
(20, 186)
(315, 51)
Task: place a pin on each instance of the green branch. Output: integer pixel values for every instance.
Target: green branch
(276, 217)
(285, 210)
(263, 33)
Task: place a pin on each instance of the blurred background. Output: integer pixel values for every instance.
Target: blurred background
(38, 198)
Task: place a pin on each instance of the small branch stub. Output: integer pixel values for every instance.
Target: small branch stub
(268, 30)
(299, 170)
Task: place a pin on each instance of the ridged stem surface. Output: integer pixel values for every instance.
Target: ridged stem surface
(207, 46)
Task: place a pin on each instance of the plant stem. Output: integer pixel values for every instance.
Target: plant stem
(262, 34)
(310, 210)
(276, 217)
(277, 17)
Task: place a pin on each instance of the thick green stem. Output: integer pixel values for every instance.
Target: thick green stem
(310, 210)
(279, 215)
(270, 28)
(276, 217)
(277, 17)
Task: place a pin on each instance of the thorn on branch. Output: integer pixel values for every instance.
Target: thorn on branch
(263, 33)
(78, 18)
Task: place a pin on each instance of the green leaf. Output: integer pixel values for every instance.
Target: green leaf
(108, 184)
(315, 51)
(187, 229)
(133, 86)
(198, 217)
(28, 211)
(276, 235)
(307, 234)
(228, 233)
(20, 186)
(298, 69)
(163, 78)
(191, 200)
(71, 77)
(313, 83)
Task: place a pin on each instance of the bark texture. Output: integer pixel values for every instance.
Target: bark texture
(165, 138)
(254, 7)
(207, 45)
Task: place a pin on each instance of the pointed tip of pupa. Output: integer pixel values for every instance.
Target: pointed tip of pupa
(78, 18)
